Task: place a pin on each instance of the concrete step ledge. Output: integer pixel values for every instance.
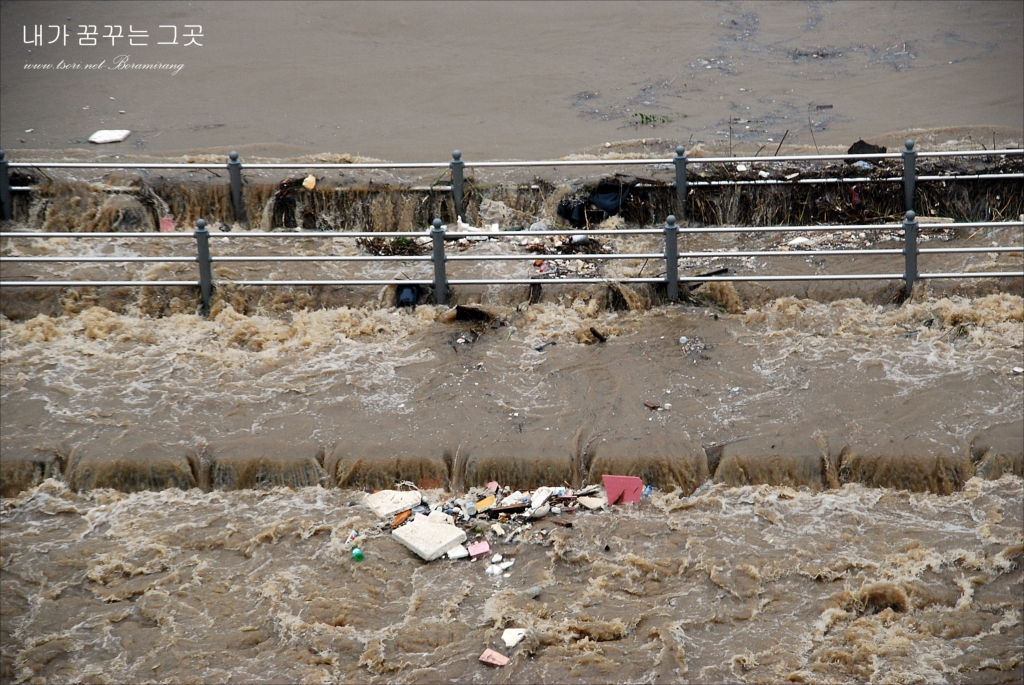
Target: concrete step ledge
(257, 463)
(129, 462)
(682, 464)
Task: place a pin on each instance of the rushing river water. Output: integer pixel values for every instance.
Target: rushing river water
(840, 496)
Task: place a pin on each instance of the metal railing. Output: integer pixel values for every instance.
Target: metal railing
(438, 235)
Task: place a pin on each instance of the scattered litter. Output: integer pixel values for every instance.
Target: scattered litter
(652, 406)
(310, 182)
(540, 496)
(683, 340)
(598, 335)
(498, 530)
(429, 540)
(541, 512)
(795, 242)
(622, 489)
(400, 518)
(420, 517)
(735, 390)
(478, 549)
(493, 486)
(792, 176)
(458, 552)
(350, 540)
(533, 592)
(648, 489)
(492, 658)
(513, 636)
(540, 348)
(438, 516)
(387, 503)
(496, 559)
(592, 502)
(167, 224)
(1018, 369)
(29, 130)
(357, 554)
(763, 174)
(485, 504)
(862, 165)
(538, 226)
(109, 136)
(741, 167)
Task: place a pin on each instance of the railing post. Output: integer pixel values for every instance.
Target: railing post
(680, 161)
(457, 166)
(5, 188)
(672, 258)
(205, 273)
(439, 259)
(235, 171)
(909, 174)
(910, 274)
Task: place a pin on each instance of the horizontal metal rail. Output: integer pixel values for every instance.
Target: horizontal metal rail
(965, 250)
(534, 257)
(523, 281)
(975, 274)
(97, 284)
(836, 228)
(97, 259)
(507, 164)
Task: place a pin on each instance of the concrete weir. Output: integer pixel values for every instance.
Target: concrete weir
(130, 463)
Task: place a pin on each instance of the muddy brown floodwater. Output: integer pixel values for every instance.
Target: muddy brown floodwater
(839, 475)
(413, 81)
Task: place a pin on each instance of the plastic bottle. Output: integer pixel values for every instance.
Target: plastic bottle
(357, 554)
(350, 539)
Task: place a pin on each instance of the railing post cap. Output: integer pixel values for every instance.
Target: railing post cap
(437, 224)
(911, 217)
(671, 221)
(680, 151)
(456, 155)
(233, 156)
(909, 145)
(200, 225)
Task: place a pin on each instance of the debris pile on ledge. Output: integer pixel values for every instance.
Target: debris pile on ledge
(466, 527)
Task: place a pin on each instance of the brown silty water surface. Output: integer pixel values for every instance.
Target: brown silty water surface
(412, 81)
(839, 476)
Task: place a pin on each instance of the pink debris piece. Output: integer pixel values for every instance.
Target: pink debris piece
(493, 486)
(167, 224)
(420, 517)
(478, 549)
(494, 658)
(623, 489)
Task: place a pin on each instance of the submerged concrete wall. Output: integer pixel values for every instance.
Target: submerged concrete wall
(795, 459)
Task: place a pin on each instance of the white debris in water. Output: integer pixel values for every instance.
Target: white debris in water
(387, 503)
(513, 636)
(799, 241)
(109, 136)
(741, 167)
